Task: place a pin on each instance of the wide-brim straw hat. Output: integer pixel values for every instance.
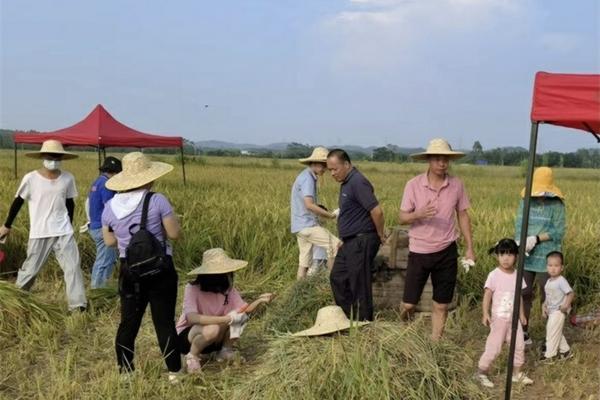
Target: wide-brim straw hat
(138, 171)
(319, 154)
(543, 184)
(216, 261)
(438, 147)
(330, 319)
(52, 147)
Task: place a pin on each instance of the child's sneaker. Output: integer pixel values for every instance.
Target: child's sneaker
(527, 339)
(566, 355)
(484, 380)
(522, 379)
(548, 360)
(192, 364)
(225, 354)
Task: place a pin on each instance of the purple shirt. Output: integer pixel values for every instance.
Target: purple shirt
(158, 209)
(434, 234)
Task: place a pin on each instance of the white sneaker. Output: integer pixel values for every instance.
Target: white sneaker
(522, 379)
(126, 377)
(313, 270)
(174, 378)
(484, 380)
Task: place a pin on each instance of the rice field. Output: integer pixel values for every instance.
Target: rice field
(242, 205)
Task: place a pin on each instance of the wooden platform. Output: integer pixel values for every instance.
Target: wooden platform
(390, 274)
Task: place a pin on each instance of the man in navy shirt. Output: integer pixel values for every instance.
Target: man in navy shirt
(360, 226)
(98, 196)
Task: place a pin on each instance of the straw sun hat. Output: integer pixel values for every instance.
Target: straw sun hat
(216, 261)
(543, 184)
(53, 147)
(438, 147)
(319, 155)
(329, 319)
(138, 170)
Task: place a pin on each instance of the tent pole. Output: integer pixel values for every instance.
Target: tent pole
(521, 257)
(590, 130)
(182, 165)
(104, 153)
(99, 160)
(15, 144)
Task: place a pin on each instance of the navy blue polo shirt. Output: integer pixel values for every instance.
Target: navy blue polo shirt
(357, 199)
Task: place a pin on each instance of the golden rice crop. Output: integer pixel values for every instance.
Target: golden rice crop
(242, 205)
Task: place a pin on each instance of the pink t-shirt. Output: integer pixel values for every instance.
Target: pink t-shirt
(431, 235)
(502, 285)
(207, 303)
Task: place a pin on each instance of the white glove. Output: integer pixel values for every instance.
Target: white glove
(467, 263)
(237, 324)
(530, 243)
(238, 318)
(336, 212)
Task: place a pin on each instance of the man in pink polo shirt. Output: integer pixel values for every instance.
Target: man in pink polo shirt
(431, 205)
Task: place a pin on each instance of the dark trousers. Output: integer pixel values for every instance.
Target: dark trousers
(528, 293)
(351, 276)
(161, 292)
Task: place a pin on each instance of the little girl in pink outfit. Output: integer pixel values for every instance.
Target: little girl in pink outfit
(499, 296)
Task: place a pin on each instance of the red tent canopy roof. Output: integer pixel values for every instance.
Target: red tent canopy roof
(567, 100)
(99, 128)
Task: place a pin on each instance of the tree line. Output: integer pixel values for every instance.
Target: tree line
(582, 158)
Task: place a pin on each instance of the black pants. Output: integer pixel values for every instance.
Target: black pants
(351, 276)
(540, 278)
(161, 292)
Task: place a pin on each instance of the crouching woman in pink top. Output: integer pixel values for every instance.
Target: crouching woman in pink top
(214, 314)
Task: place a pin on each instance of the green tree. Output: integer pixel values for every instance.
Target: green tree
(383, 154)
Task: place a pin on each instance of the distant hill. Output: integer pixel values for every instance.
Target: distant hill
(221, 145)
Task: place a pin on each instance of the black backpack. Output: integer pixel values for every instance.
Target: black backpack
(145, 255)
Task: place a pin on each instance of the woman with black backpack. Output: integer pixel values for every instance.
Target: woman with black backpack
(139, 222)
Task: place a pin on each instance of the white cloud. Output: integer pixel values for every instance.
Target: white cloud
(373, 34)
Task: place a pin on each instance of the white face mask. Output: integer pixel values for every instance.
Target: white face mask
(52, 165)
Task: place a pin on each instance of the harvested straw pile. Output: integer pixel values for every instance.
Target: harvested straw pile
(296, 308)
(19, 309)
(384, 360)
(103, 299)
(381, 361)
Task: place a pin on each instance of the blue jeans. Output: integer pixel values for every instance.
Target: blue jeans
(105, 260)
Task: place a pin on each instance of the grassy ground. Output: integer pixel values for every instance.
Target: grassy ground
(242, 206)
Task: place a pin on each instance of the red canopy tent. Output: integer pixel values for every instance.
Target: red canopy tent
(100, 130)
(567, 100)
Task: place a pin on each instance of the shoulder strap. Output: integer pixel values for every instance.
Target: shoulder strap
(147, 197)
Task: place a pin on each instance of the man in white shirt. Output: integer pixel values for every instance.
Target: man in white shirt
(49, 193)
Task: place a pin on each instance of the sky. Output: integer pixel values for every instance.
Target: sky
(330, 72)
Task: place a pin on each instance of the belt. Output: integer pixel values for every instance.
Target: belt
(347, 238)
